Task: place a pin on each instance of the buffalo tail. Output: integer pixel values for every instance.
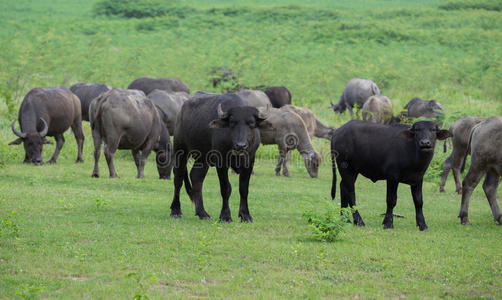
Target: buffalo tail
(333, 183)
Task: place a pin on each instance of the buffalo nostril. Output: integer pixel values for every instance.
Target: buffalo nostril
(241, 146)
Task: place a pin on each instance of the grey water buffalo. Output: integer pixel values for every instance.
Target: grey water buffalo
(486, 158)
(355, 93)
(278, 95)
(254, 98)
(289, 133)
(377, 109)
(395, 153)
(170, 103)
(461, 132)
(148, 84)
(314, 127)
(86, 92)
(48, 112)
(127, 119)
(220, 131)
(423, 108)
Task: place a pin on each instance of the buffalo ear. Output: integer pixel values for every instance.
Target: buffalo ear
(443, 134)
(46, 141)
(407, 134)
(265, 125)
(218, 123)
(16, 142)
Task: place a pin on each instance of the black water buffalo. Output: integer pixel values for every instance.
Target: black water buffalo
(220, 131)
(278, 95)
(148, 84)
(423, 108)
(486, 158)
(48, 112)
(395, 153)
(86, 92)
(461, 132)
(127, 119)
(355, 93)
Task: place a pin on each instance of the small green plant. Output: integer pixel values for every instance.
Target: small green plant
(143, 283)
(326, 227)
(30, 291)
(10, 225)
(130, 8)
(101, 203)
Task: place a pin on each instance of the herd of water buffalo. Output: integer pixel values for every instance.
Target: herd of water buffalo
(225, 130)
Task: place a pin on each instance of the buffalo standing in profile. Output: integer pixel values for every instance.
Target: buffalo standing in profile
(148, 84)
(86, 92)
(430, 109)
(48, 112)
(355, 93)
(127, 119)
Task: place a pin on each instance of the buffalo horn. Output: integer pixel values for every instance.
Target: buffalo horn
(19, 134)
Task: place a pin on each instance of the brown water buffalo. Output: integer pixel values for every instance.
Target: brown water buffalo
(355, 93)
(170, 103)
(278, 95)
(289, 133)
(148, 84)
(461, 132)
(48, 112)
(377, 109)
(395, 153)
(314, 127)
(486, 158)
(86, 92)
(220, 131)
(127, 119)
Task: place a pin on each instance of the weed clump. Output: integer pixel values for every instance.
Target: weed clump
(326, 227)
(494, 5)
(131, 8)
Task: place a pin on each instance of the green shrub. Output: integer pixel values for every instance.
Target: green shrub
(495, 5)
(131, 8)
(327, 226)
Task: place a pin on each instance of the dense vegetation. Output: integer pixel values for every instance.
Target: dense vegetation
(64, 234)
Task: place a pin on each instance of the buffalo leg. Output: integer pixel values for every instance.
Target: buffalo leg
(109, 153)
(137, 161)
(388, 221)
(226, 190)
(416, 193)
(471, 180)
(59, 144)
(142, 162)
(347, 192)
(180, 172)
(490, 187)
(79, 137)
(97, 152)
(244, 177)
(280, 160)
(446, 171)
(285, 170)
(197, 175)
(458, 157)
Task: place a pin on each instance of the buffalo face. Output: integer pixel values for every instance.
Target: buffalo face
(243, 123)
(312, 161)
(425, 134)
(33, 142)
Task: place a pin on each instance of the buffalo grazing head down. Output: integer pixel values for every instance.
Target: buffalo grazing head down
(243, 122)
(33, 142)
(425, 134)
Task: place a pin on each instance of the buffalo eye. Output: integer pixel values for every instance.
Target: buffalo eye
(252, 124)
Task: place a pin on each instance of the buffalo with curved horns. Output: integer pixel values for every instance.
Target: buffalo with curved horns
(48, 112)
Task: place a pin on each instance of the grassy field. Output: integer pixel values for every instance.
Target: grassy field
(66, 235)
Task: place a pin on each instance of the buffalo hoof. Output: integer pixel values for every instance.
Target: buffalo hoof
(114, 176)
(203, 215)
(388, 226)
(52, 161)
(358, 221)
(499, 220)
(78, 161)
(441, 189)
(459, 191)
(423, 227)
(165, 177)
(286, 174)
(226, 220)
(277, 173)
(465, 221)
(246, 218)
(176, 215)
(95, 175)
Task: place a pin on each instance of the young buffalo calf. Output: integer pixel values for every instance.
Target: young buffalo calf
(397, 153)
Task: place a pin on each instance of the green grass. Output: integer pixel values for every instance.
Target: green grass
(66, 235)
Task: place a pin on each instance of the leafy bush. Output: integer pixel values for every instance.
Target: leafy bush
(131, 8)
(495, 5)
(327, 226)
